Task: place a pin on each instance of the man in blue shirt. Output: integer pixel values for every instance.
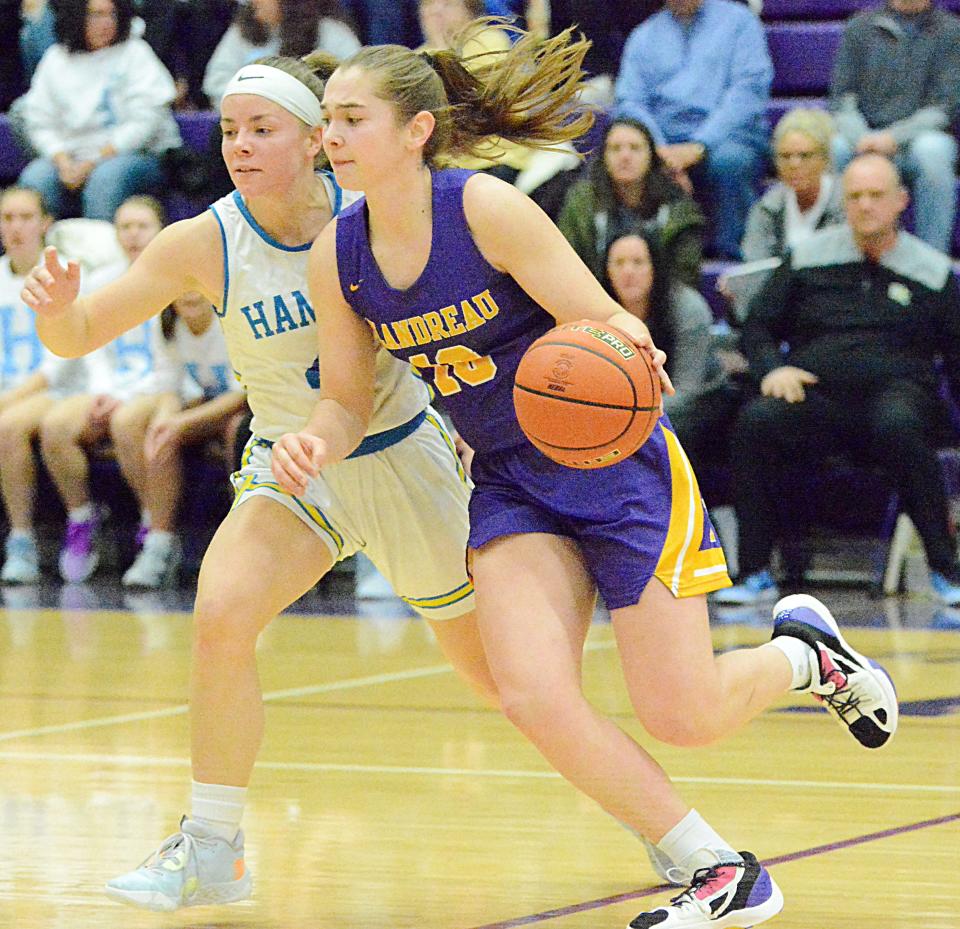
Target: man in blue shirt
(698, 73)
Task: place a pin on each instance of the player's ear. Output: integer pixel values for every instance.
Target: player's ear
(420, 128)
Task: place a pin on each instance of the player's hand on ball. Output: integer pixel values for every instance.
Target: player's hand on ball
(787, 383)
(636, 332)
(50, 288)
(297, 457)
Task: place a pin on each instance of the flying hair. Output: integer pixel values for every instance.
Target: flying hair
(528, 94)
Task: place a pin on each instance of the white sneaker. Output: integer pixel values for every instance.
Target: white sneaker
(156, 565)
(22, 561)
(194, 867)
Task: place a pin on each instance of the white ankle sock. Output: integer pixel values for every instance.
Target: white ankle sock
(802, 660)
(219, 807)
(692, 843)
(81, 514)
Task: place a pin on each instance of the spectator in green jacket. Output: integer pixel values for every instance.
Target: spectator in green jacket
(627, 185)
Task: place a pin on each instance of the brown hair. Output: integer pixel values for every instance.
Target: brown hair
(147, 202)
(20, 189)
(528, 94)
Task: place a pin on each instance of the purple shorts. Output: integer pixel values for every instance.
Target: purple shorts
(634, 520)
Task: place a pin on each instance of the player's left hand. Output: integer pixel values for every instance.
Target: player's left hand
(297, 457)
(636, 332)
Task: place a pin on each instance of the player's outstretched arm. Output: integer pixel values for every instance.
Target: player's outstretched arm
(185, 256)
(517, 237)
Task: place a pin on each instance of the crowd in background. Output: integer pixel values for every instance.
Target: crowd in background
(685, 166)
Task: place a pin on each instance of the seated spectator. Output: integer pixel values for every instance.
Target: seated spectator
(896, 92)
(98, 112)
(119, 404)
(698, 73)
(31, 379)
(626, 186)
(393, 23)
(677, 316)
(866, 311)
(806, 196)
(278, 27)
(37, 33)
(191, 363)
(184, 34)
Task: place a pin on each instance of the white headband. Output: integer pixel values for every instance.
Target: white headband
(280, 87)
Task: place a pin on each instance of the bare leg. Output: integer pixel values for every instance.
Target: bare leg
(128, 428)
(535, 602)
(234, 604)
(459, 640)
(681, 693)
(64, 434)
(18, 473)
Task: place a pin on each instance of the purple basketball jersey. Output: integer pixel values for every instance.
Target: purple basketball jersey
(462, 324)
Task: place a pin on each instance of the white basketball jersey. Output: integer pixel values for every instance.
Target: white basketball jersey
(271, 331)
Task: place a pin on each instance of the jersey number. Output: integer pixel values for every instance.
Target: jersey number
(456, 364)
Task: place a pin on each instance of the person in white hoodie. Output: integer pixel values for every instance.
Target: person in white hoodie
(97, 112)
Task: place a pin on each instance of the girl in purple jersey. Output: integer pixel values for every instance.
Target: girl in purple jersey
(459, 273)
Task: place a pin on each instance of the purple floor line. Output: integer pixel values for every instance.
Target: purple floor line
(661, 888)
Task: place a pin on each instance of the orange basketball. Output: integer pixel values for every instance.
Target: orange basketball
(586, 396)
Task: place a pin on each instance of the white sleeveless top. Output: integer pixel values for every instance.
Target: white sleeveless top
(271, 330)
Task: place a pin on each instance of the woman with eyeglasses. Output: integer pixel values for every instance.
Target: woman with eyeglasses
(806, 195)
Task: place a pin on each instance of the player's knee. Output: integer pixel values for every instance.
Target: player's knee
(681, 726)
(221, 623)
(529, 708)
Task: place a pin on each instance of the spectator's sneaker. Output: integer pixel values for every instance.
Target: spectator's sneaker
(724, 896)
(22, 561)
(192, 868)
(155, 568)
(856, 691)
(664, 867)
(944, 589)
(79, 556)
(754, 588)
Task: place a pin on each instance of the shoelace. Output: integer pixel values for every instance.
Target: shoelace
(168, 849)
(701, 878)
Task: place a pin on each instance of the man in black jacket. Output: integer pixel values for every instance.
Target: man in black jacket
(866, 312)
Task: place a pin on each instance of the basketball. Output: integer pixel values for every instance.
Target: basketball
(585, 396)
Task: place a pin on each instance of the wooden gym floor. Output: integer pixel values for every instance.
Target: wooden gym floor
(386, 797)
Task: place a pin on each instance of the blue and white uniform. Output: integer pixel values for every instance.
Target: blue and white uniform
(402, 496)
(196, 368)
(21, 351)
(465, 326)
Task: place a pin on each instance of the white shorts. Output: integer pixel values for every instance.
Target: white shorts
(405, 507)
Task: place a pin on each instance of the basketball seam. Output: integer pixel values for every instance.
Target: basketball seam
(579, 402)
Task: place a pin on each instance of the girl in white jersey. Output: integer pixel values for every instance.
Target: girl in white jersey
(118, 403)
(190, 363)
(403, 499)
(31, 379)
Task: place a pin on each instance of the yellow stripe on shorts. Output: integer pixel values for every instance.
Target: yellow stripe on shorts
(685, 566)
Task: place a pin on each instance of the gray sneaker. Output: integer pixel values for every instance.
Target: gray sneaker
(156, 566)
(194, 867)
(22, 561)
